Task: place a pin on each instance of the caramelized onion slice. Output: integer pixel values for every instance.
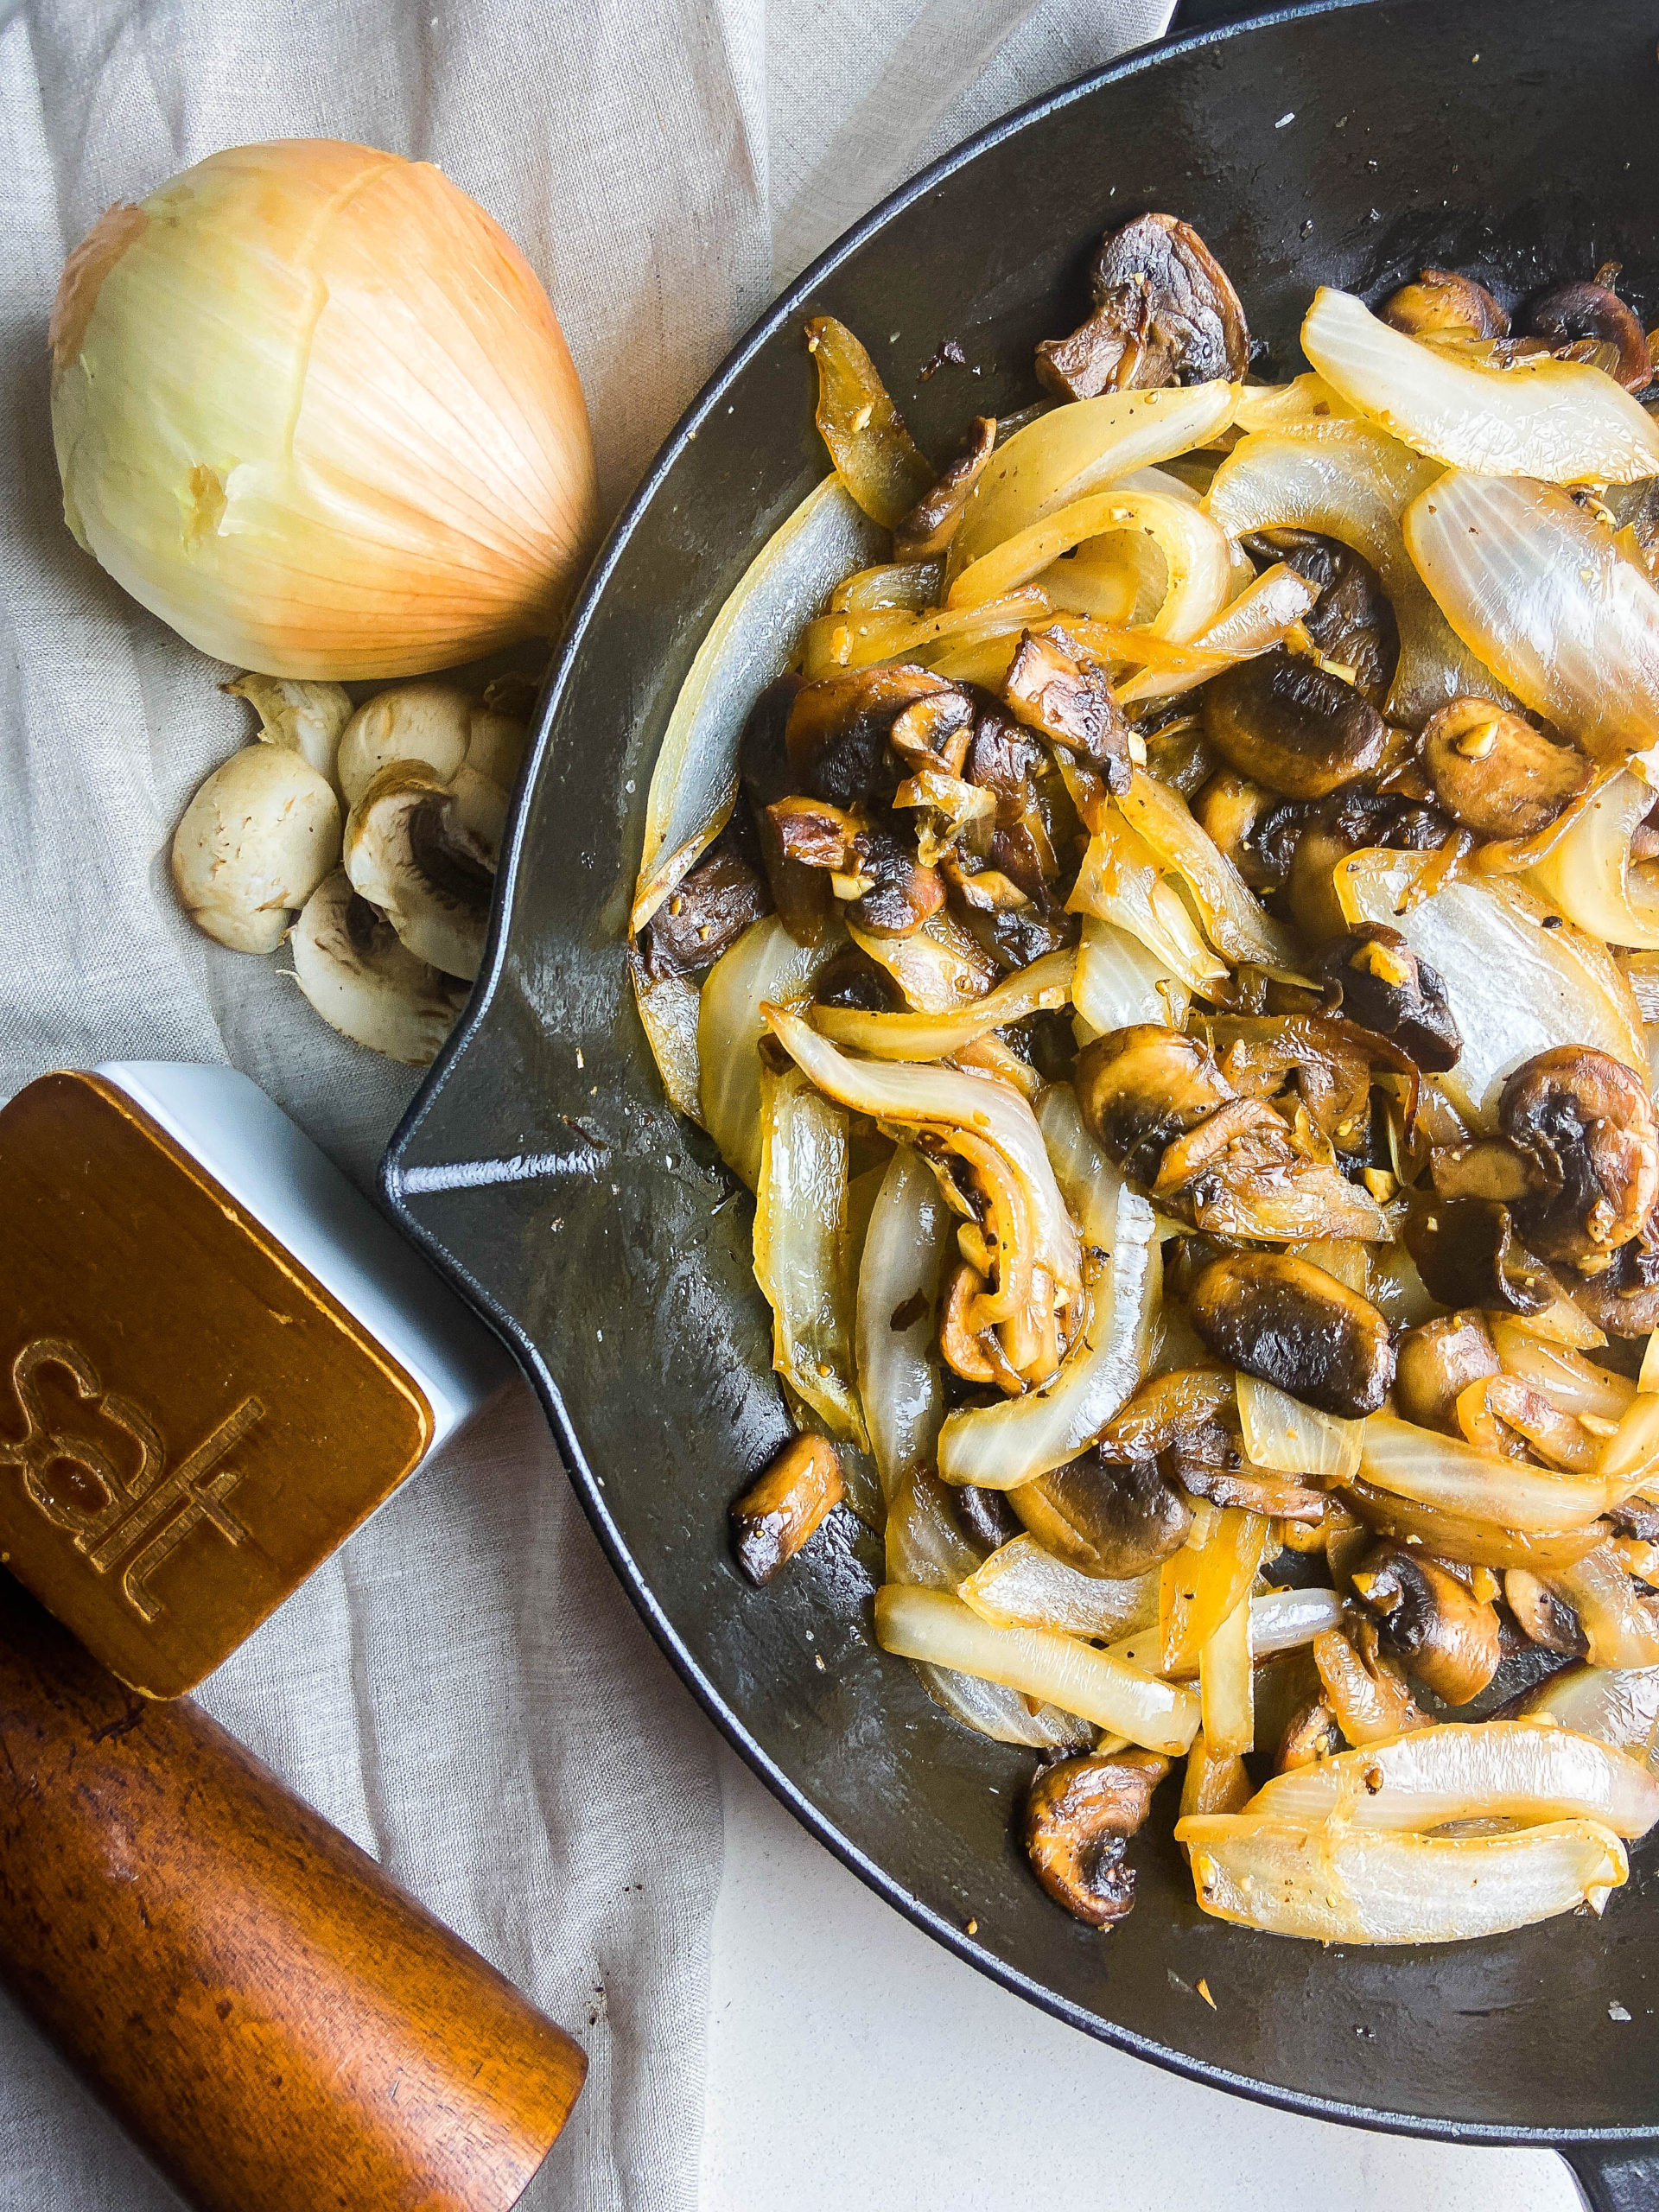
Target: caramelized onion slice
(1562, 421)
(1122, 881)
(800, 1256)
(1118, 982)
(1046, 984)
(1071, 451)
(1281, 1433)
(932, 1626)
(1234, 921)
(765, 964)
(750, 641)
(1588, 872)
(1616, 1705)
(1543, 593)
(1022, 1586)
(1527, 1770)
(874, 454)
(1445, 1472)
(1344, 1884)
(910, 1235)
(1259, 617)
(1348, 480)
(999, 1446)
(1198, 560)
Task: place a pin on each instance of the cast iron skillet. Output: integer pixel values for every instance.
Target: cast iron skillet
(542, 1168)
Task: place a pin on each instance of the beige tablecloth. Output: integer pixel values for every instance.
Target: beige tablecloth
(465, 1689)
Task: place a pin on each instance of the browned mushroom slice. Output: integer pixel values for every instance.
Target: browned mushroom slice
(1497, 775)
(929, 527)
(1290, 1324)
(1293, 726)
(1231, 811)
(1376, 979)
(839, 726)
(1070, 702)
(774, 1519)
(1442, 304)
(1468, 1253)
(1163, 1409)
(1446, 1636)
(1165, 312)
(1434, 1362)
(1326, 1064)
(706, 915)
(1079, 1817)
(1567, 315)
(974, 1354)
(1350, 625)
(935, 732)
(1543, 1616)
(1105, 1519)
(1140, 1088)
(1311, 1733)
(816, 834)
(1365, 1687)
(901, 892)
(1206, 1462)
(1623, 1298)
(853, 979)
(1585, 1123)
(801, 897)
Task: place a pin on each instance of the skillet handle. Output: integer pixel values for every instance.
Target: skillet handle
(1623, 2177)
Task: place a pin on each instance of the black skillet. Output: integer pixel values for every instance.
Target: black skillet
(542, 1168)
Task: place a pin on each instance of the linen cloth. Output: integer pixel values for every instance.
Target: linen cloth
(464, 1689)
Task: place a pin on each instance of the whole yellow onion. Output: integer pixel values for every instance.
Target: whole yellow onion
(312, 407)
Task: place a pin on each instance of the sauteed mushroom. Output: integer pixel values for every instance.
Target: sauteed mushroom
(1342, 823)
(800, 894)
(351, 965)
(1442, 304)
(935, 732)
(1623, 1298)
(1165, 312)
(899, 893)
(410, 852)
(1291, 1323)
(1141, 1087)
(1072, 705)
(1447, 1636)
(706, 915)
(1233, 812)
(1377, 980)
(838, 727)
(1468, 1253)
(1542, 1615)
(929, 527)
(253, 845)
(1105, 1519)
(1437, 1361)
(1311, 1734)
(1497, 775)
(1366, 1688)
(1566, 314)
(1080, 1816)
(774, 1517)
(1291, 725)
(1585, 1125)
(1351, 623)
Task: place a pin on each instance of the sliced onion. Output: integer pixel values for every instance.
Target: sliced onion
(1211, 1573)
(1281, 1433)
(765, 964)
(1344, 1257)
(1227, 1686)
(1544, 593)
(1564, 420)
(1306, 398)
(1118, 981)
(1122, 881)
(1620, 1625)
(1073, 450)
(1345, 1885)
(1572, 1384)
(800, 1247)
(668, 1013)
(1616, 1705)
(938, 968)
(1233, 919)
(1286, 1620)
(913, 586)
(1562, 1323)
(1045, 985)
(1480, 1543)
(1445, 1472)
(750, 641)
(1350, 480)
(910, 1234)
(1261, 616)
(925, 638)
(932, 1625)
(1198, 560)
(1088, 1181)
(1527, 1770)
(988, 1122)
(1515, 987)
(1022, 1586)
(925, 1548)
(999, 1446)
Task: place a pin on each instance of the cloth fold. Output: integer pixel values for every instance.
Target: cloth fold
(465, 1689)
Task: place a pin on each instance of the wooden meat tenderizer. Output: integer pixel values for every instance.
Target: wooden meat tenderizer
(216, 1359)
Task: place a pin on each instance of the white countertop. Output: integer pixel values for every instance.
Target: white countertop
(854, 2063)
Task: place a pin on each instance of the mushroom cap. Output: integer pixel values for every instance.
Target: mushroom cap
(305, 716)
(436, 724)
(350, 966)
(253, 845)
(410, 851)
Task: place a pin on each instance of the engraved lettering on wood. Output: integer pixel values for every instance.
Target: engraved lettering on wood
(75, 1481)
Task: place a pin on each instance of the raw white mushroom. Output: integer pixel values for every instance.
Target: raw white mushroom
(422, 853)
(306, 717)
(436, 724)
(254, 843)
(366, 984)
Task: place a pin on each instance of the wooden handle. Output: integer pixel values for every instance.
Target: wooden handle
(277, 2023)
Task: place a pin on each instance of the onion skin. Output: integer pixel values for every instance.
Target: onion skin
(350, 384)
